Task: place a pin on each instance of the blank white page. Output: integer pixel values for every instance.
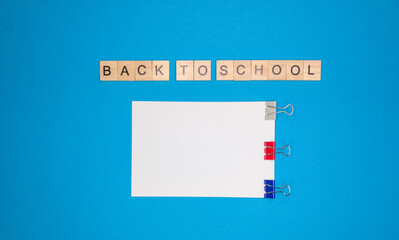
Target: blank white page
(200, 149)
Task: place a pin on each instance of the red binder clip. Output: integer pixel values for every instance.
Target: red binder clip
(270, 150)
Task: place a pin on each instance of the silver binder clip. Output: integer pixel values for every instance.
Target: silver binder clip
(279, 191)
(282, 152)
(271, 110)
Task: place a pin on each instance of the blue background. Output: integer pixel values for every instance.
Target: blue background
(65, 137)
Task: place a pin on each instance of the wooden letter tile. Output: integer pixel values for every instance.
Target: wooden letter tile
(160, 70)
(312, 70)
(143, 71)
(260, 69)
(125, 71)
(202, 70)
(224, 70)
(184, 70)
(277, 70)
(108, 70)
(242, 70)
(294, 70)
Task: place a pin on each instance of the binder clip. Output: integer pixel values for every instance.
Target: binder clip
(270, 189)
(270, 151)
(271, 110)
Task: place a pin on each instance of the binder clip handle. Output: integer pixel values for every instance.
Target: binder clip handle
(280, 189)
(282, 152)
(289, 105)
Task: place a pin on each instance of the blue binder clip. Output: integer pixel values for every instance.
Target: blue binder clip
(270, 189)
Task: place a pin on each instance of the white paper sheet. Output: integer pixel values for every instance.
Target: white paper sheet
(200, 149)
